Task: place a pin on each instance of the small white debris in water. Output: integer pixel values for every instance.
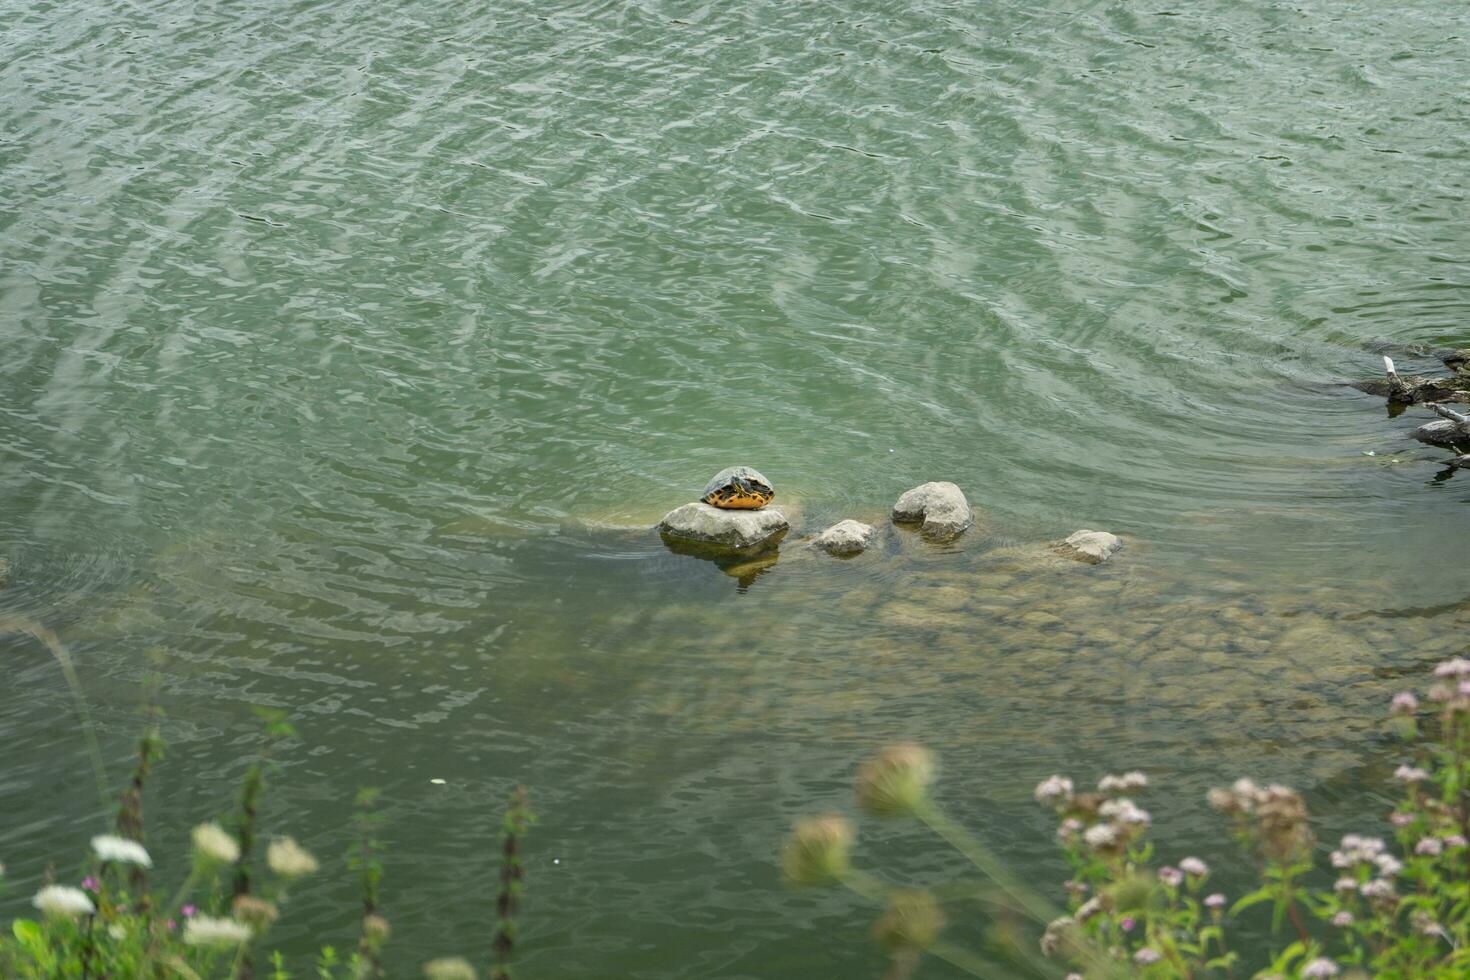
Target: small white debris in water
(891, 450)
(556, 860)
(437, 782)
(1369, 452)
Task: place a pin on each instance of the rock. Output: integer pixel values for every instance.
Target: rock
(728, 528)
(845, 538)
(941, 507)
(1092, 547)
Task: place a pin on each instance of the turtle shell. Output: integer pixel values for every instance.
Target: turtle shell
(738, 488)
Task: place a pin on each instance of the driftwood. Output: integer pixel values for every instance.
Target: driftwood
(1414, 389)
(1451, 429)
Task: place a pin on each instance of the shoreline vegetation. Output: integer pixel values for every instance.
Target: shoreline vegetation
(122, 921)
(1380, 909)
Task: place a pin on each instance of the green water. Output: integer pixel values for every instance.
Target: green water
(344, 348)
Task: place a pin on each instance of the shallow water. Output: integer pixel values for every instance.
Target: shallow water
(345, 348)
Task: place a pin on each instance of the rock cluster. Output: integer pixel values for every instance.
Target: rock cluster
(940, 508)
(727, 528)
(845, 538)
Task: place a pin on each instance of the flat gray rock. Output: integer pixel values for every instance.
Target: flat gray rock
(845, 538)
(1442, 432)
(941, 507)
(728, 528)
(1092, 547)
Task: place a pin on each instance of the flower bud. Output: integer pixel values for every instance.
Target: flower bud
(256, 913)
(912, 920)
(212, 846)
(896, 781)
(817, 851)
(289, 859)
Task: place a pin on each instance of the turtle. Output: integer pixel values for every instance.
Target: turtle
(738, 488)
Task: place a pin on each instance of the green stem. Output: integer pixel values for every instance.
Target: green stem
(987, 864)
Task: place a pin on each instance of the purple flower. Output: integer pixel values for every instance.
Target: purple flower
(91, 884)
(1127, 925)
(1404, 703)
(1215, 901)
(1172, 877)
(1145, 956)
(173, 924)
(1431, 846)
(1320, 967)
(189, 911)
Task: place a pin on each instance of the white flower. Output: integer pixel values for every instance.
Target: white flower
(1053, 788)
(1342, 919)
(62, 901)
(1410, 774)
(212, 844)
(1457, 667)
(289, 859)
(1110, 784)
(1320, 967)
(1345, 885)
(1431, 846)
(1377, 888)
(205, 930)
(1172, 877)
(449, 968)
(1194, 866)
(117, 932)
(1100, 835)
(1134, 780)
(1388, 865)
(109, 847)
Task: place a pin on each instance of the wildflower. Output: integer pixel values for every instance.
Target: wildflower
(1441, 692)
(1454, 840)
(189, 911)
(213, 846)
(1377, 888)
(1053, 789)
(449, 968)
(896, 781)
(1100, 836)
(1388, 865)
(63, 902)
(1146, 956)
(1127, 925)
(1076, 888)
(121, 850)
(1320, 967)
(1456, 667)
(1172, 877)
(912, 920)
(1424, 923)
(1404, 703)
(1194, 866)
(1110, 784)
(1124, 811)
(1410, 774)
(1342, 919)
(206, 930)
(1281, 816)
(1057, 932)
(1215, 901)
(375, 929)
(117, 932)
(1345, 885)
(289, 859)
(817, 851)
(1222, 800)
(1430, 846)
(1400, 819)
(256, 913)
(1134, 780)
(91, 884)
(1089, 908)
(1067, 832)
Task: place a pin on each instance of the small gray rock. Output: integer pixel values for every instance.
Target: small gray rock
(1442, 432)
(729, 528)
(941, 507)
(845, 538)
(1092, 547)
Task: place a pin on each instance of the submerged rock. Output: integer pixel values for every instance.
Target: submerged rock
(1092, 547)
(845, 538)
(941, 507)
(1451, 429)
(727, 528)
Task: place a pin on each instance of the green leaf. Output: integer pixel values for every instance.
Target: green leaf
(1254, 898)
(28, 933)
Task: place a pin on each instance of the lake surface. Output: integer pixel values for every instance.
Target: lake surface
(349, 350)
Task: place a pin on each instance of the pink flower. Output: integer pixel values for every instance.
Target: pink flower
(1194, 866)
(1345, 885)
(1146, 956)
(1400, 819)
(1215, 901)
(1127, 925)
(1431, 846)
(91, 884)
(173, 924)
(1454, 840)
(1320, 967)
(1456, 667)
(189, 911)
(1404, 703)
(1172, 877)
(1410, 774)
(1342, 919)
